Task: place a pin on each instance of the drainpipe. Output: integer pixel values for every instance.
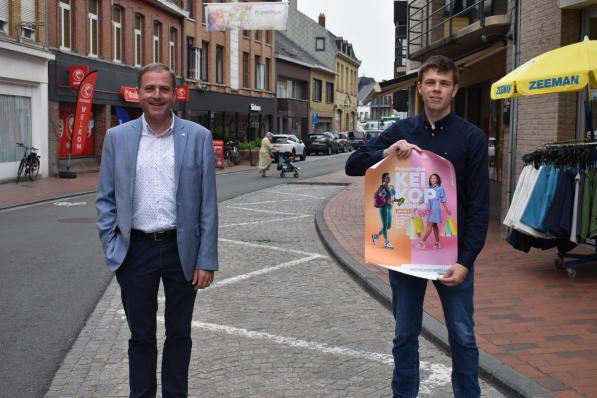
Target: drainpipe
(514, 105)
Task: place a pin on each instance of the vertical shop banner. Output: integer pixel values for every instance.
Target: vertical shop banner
(410, 215)
(219, 153)
(82, 113)
(246, 16)
(182, 93)
(66, 112)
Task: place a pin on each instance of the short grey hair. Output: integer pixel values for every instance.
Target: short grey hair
(269, 134)
(156, 67)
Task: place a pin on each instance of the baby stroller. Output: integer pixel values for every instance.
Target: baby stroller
(285, 165)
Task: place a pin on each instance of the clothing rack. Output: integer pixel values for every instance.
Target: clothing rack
(578, 155)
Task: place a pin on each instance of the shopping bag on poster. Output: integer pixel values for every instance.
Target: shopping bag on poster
(421, 191)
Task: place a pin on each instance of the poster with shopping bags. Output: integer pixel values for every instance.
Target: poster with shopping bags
(410, 215)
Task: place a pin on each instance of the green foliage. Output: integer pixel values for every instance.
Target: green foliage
(255, 144)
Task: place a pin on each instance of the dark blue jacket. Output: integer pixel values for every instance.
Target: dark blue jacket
(465, 146)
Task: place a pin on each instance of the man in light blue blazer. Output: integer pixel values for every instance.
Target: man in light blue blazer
(158, 220)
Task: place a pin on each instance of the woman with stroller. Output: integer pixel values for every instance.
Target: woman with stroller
(266, 154)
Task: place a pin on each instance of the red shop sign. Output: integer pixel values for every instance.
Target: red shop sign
(76, 75)
(129, 94)
(219, 153)
(182, 93)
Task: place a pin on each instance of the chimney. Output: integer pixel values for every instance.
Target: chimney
(322, 19)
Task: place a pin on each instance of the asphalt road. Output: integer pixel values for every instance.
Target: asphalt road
(53, 276)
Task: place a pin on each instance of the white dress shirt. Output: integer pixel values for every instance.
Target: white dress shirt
(154, 195)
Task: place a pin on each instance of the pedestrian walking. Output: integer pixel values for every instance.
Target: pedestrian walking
(266, 154)
(441, 131)
(157, 219)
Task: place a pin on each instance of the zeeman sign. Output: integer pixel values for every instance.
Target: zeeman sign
(554, 82)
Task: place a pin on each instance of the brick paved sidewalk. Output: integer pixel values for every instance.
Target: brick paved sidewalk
(529, 315)
(26, 191)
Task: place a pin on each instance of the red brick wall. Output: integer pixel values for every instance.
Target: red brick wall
(80, 37)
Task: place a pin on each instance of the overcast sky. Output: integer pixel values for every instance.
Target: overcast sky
(368, 25)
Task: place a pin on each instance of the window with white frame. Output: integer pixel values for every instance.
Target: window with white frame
(65, 30)
(138, 40)
(4, 14)
(259, 74)
(194, 66)
(172, 49)
(157, 28)
(92, 18)
(117, 33)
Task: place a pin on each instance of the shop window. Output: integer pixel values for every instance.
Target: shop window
(65, 24)
(15, 126)
(117, 33)
(138, 32)
(92, 21)
(219, 64)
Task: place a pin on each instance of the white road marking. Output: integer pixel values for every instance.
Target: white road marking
(272, 201)
(265, 211)
(262, 246)
(263, 271)
(67, 204)
(295, 194)
(263, 221)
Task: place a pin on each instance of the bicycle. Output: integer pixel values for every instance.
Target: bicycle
(231, 153)
(29, 163)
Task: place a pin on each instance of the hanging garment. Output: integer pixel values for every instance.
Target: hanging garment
(560, 208)
(587, 201)
(541, 199)
(524, 175)
(529, 188)
(574, 223)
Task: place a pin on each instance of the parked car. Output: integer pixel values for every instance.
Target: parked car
(372, 134)
(357, 139)
(289, 143)
(322, 142)
(342, 141)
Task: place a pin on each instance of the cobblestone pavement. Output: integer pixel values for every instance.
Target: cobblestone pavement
(283, 320)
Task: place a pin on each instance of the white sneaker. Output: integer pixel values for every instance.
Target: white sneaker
(374, 238)
(388, 245)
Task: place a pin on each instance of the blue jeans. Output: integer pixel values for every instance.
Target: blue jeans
(408, 293)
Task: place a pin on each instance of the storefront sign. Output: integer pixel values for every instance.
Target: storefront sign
(254, 108)
(129, 94)
(246, 16)
(219, 153)
(413, 203)
(76, 75)
(182, 93)
(315, 118)
(82, 113)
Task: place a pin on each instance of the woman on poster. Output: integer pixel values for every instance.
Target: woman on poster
(383, 199)
(434, 217)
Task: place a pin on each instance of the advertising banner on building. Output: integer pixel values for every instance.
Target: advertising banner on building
(410, 215)
(246, 16)
(82, 114)
(129, 94)
(219, 153)
(66, 112)
(182, 93)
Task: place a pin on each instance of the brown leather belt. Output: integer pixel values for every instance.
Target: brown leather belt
(155, 236)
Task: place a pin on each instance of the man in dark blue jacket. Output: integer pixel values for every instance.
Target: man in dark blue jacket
(441, 131)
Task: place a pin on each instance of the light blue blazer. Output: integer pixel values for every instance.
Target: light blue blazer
(196, 201)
